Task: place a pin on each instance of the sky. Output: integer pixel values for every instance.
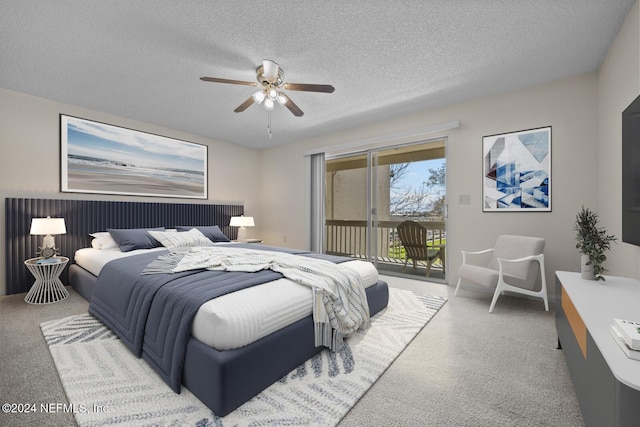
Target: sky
(418, 172)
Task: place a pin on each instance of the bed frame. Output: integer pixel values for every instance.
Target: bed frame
(222, 380)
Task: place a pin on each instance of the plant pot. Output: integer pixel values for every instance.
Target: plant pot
(586, 271)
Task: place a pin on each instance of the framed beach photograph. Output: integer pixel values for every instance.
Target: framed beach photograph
(102, 158)
(517, 171)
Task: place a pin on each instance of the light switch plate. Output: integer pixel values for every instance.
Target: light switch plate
(464, 199)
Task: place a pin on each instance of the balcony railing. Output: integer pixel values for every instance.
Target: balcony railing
(350, 238)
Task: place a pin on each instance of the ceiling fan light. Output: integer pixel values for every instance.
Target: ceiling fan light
(268, 104)
(272, 94)
(259, 96)
(282, 99)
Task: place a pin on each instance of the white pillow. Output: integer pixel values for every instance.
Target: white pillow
(103, 240)
(185, 239)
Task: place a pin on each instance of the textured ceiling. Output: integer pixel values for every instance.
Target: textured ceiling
(142, 59)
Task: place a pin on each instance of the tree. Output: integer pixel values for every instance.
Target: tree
(397, 171)
(427, 199)
(438, 177)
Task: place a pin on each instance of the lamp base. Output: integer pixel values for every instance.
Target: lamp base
(48, 241)
(48, 249)
(242, 233)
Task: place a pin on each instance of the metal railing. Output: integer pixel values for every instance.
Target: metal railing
(350, 238)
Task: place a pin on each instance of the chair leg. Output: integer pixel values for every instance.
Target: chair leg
(543, 288)
(542, 293)
(544, 298)
(457, 286)
(496, 294)
(428, 273)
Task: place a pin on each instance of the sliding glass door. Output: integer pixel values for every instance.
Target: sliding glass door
(368, 194)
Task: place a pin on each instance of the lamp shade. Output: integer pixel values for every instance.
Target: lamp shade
(242, 221)
(48, 225)
(259, 96)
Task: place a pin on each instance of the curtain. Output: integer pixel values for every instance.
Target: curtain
(317, 192)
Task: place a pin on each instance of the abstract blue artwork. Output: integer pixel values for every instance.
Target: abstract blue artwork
(517, 171)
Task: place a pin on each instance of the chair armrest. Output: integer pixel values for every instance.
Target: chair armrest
(465, 253)
(538, 258)
(502, 261)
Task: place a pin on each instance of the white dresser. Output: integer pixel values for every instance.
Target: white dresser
(606, 381)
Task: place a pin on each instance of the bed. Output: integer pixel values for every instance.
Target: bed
(222, 379)
(228, 362)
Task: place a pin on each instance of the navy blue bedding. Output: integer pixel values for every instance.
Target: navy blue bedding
(152, 314)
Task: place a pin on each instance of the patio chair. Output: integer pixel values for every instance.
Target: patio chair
(413, 237)
(513, 266)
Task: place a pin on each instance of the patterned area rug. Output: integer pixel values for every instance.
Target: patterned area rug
(107, 385)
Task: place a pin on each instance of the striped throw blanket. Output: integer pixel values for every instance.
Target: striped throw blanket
(339, 300)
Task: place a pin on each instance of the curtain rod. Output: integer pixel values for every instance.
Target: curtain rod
(373, 142)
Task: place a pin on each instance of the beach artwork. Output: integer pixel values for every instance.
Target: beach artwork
(101, 158)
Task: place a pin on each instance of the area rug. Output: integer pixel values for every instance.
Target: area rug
(107, 385)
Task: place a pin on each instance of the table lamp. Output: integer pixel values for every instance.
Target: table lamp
(242, 222)
(47, 227)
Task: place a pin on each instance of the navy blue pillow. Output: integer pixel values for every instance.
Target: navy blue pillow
(212, 232)
(134, 238)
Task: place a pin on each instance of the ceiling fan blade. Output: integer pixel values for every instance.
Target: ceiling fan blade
(309, 87)
(233, 82)
(270, 70)
(292, 106)
(246, 104)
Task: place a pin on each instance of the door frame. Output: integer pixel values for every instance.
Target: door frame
(372, 195)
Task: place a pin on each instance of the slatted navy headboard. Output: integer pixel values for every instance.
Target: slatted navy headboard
(87, 216)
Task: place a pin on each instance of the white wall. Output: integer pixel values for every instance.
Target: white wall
(618, 86)
(569, 106)
(30, 159)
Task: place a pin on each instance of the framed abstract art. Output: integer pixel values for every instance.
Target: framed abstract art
(517, 171)
(102, 158)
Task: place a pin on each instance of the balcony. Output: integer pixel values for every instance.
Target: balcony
(350, 238)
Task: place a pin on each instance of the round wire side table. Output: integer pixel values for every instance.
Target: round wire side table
(47, 288)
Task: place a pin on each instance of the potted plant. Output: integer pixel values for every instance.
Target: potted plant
(593, 242)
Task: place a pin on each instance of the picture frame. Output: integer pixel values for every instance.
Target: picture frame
(102, 158)
(517, 171)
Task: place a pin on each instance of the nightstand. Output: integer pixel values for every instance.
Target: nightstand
(47, 288)
(248, 241)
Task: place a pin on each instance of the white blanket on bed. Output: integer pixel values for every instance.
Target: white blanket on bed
(339, 300)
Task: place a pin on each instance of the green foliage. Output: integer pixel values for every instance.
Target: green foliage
(592, 240)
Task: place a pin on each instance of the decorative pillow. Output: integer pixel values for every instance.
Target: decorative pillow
(134, 238)
(185, 239)
(103, 240)
(213, 232)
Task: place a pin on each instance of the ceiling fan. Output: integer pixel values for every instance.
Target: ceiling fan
(270, 78)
